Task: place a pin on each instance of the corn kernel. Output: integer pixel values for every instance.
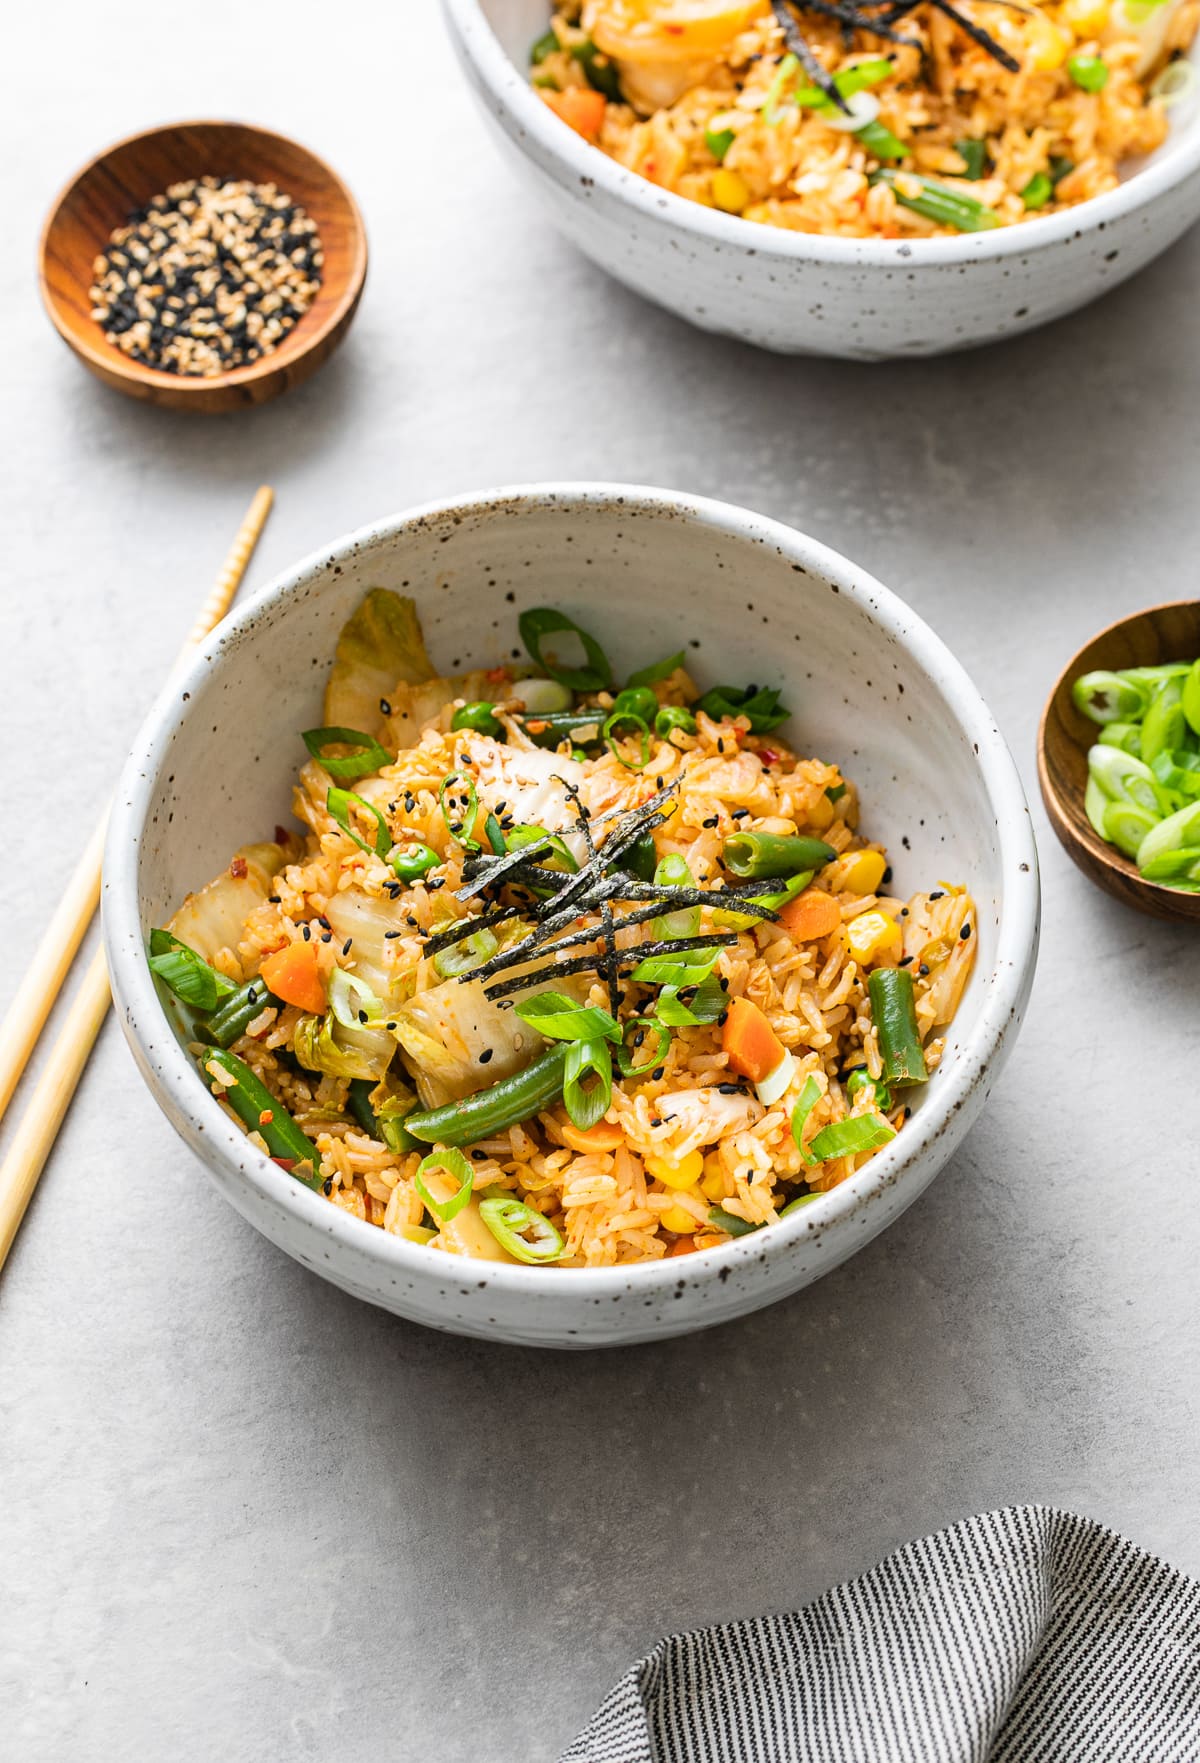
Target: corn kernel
(684, 1173)
(872, 934)
(821, 813)
(713, 1184)
(1048, 47)
(729, 191)
(679, 1220)
(1087, 18)
(862, 871)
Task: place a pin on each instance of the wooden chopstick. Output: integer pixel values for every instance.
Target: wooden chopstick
(35, 996)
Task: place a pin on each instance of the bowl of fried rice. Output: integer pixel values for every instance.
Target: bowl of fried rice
(571, 915)
(858, 178)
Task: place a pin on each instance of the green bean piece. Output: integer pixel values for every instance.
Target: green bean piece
(894, 1007)
(494, 1110)
(718, 142)
(974, 154)
(414, 861)
(230, 1022)
(257, 1108)
(671, 717)
(750, 855)
(599, 71)
(1037, 191)
(936, 202)
(861, 1079)
(389, 1128)
(552, 727)
(879, 140)
(545, 45)
(478, 717)
(730, 1223)
(641, 858)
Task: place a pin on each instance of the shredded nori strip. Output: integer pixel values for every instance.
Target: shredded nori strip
(625, 958)
(792, 36)
(903, 8)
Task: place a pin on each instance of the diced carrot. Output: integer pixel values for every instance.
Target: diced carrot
(580, 108)
(601, 1137)
(812, 915)
(293, 975)
(684, 1246)
(753, 1047)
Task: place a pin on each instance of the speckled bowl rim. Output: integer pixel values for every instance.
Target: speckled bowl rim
(172, 1076)
(1170, 165)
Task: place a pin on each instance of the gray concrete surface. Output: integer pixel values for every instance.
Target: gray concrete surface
(246, 1518)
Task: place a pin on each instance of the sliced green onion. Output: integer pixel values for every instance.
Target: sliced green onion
(1164, 725)
(718, 142)
(494, 833)
(835, 792)
(641, 858)
(626, 1055)
(686, 968)
(974, 154)
(1123, 778)
(1125, 825)
(1178, 832)
(477, 716)
(460, 827)
(671, 717)
(730, 1223)
(636, 701)
(846, 1138)
(1108, 697)
(611, 724)
(452, 1161)
(414, 861)
(521, 1230)
(749, 855)
(1089, 72)
(556, 855)
(543, 697)
(465, 955)
(795, 884)
(661, 670)
(936, 202)
(560, 1018)
(849, 81)
(1059, 168)
(761, 706)
(587, 1082)
(1126, 735)
(795, 1205)
(1174, 866)
(1174, 83)
(351, 998)
(1037, 191)
(543, 621)
(879, 140)
(810, 1095)
(1179, 772)
(787, 70)
(339, 803)
(369, 757)
(187, 974)
(704, 1005)
(547, 44)
(673, 872)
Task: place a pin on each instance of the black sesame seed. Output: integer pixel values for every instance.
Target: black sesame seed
(485, 1058)
(965, 932)
(346, 946)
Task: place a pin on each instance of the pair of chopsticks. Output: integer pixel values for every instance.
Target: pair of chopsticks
(26, 1017)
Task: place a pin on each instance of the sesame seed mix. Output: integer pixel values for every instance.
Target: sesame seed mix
(208, 277)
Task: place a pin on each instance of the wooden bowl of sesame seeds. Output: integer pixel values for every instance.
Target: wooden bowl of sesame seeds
(203, 266)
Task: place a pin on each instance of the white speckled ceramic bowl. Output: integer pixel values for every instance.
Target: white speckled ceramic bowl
(864, 299)
(648, 571)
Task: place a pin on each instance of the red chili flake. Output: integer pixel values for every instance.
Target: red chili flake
(495, 674)
(237, 868)
(288, 1163)
(266, 1117)
(282, 835)
(768, 755)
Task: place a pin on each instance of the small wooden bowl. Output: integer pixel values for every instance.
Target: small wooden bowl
(123, 178)
(1162, 633)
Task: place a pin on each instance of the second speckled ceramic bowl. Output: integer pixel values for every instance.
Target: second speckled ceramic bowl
(649, 571)
(863, 299)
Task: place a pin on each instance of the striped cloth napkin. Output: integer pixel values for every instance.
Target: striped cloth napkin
(1021, 1636)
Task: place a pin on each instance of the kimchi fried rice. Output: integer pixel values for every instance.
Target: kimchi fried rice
(870, 119)
(558, 973)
